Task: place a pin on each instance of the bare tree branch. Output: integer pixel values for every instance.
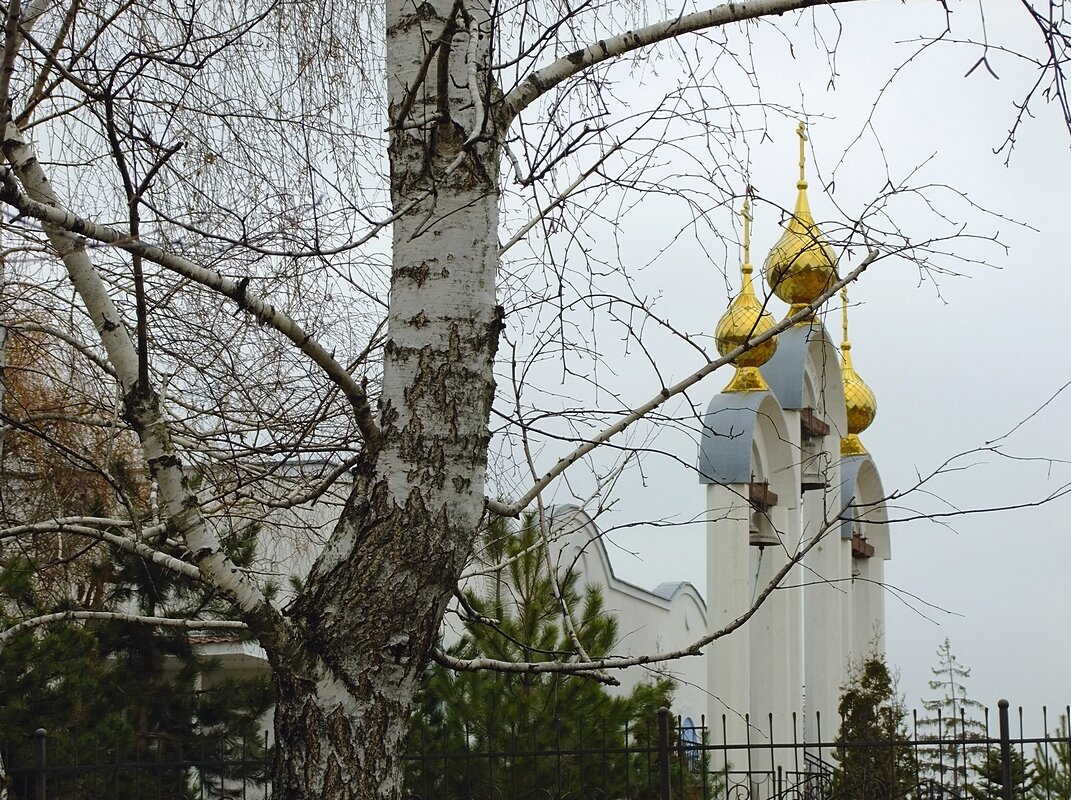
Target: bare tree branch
(114, 616)
(542, 80)
(237, 291)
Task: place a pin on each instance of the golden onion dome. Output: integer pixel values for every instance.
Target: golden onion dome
(801, 265)
(744, 320)
(859, 400)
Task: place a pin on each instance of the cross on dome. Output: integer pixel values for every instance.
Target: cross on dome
(743, 321)
(802, 265)
(859, 399)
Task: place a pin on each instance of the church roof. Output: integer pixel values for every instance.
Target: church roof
(728, 431)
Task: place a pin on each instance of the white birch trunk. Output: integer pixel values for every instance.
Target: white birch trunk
(375, 599)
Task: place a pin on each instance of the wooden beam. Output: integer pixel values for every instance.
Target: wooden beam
(861, 548)
(760, 495)
(811, 425)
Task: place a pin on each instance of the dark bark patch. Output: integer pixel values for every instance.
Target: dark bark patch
(416, 275)
(421, 15)
(388, 416)
(166, 461)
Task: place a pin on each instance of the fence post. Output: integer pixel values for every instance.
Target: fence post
(663, 753)
(1005, 751)
(40, 762)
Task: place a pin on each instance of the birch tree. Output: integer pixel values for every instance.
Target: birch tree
(311, 242)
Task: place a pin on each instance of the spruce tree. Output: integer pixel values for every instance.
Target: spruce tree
(952, 720)
(874, 758)
(990, 783)
(1052, 765)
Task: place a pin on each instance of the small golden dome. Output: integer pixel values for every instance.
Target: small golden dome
(861, 404)
(744, 320)
(802, 265)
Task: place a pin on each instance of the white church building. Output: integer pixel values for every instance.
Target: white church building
(794, 510)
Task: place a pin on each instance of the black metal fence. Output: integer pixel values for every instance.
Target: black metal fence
(155, 769)
(661, 759)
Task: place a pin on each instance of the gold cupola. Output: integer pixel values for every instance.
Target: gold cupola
(743, 321)
(802, 265)
(862, 405)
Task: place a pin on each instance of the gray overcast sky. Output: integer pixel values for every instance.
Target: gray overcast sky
(955, 363)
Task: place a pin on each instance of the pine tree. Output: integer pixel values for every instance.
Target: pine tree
(1052, 766)
(472, 712)
(875, 761)
(952, 719)
(990, 783)
(116, 691)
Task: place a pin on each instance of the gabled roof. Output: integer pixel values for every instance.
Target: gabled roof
(663, 595)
